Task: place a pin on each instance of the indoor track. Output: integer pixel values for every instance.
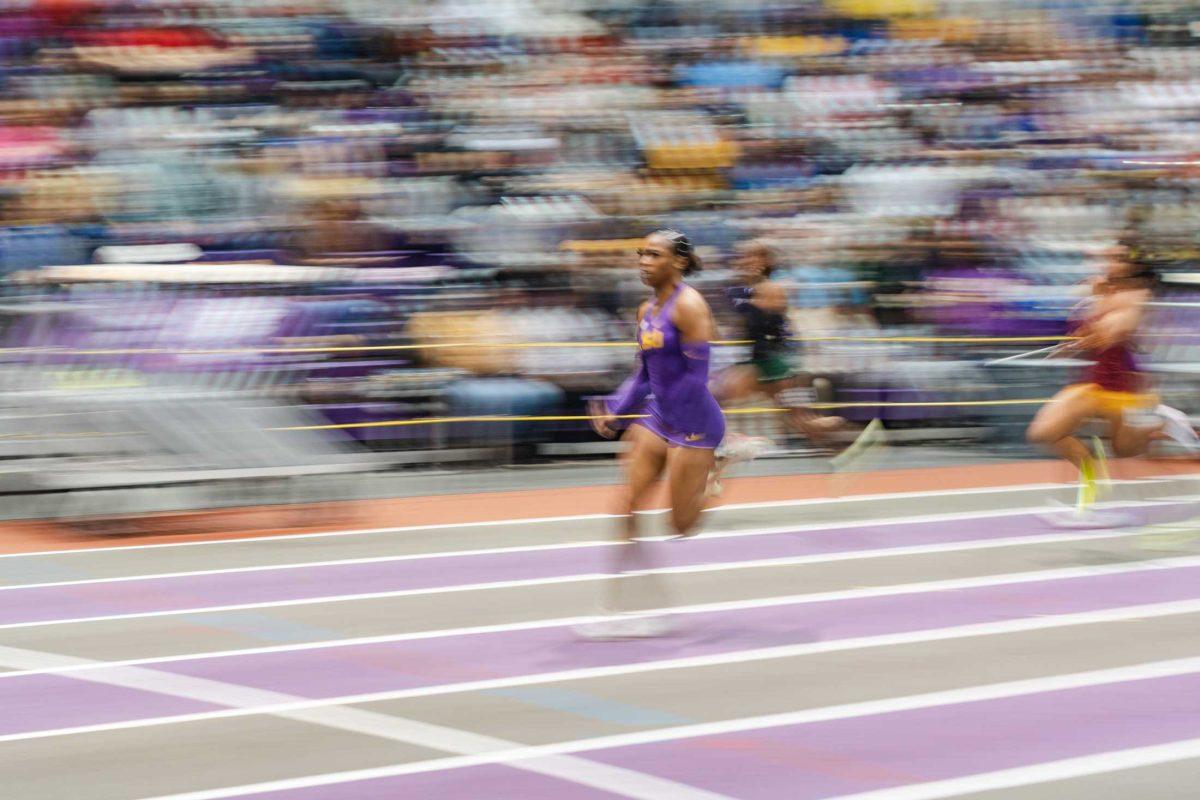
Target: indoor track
(924, 644)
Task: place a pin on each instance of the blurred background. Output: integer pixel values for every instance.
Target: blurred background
(245, 242)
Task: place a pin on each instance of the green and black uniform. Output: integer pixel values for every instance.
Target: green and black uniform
(768, 331)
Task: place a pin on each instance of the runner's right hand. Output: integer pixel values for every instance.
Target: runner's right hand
(602, 422)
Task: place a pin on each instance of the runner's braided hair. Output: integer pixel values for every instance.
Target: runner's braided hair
(682, 246)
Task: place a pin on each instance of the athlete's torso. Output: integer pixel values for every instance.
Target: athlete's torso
(660, 343)
(1115, 367)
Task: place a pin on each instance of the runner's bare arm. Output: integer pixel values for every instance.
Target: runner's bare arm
(604, 413)
(770, 296)
(693, 318)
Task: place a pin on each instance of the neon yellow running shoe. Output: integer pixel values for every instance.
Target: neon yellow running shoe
(1086, 494)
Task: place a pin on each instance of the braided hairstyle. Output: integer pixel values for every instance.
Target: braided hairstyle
(682, 246)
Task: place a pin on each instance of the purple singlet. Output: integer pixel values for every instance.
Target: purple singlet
(680, 408)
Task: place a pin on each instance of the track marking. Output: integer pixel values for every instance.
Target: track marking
(787, 561)
(863, 498)
(1037, 623)
(618, 780)
(1097, 764)
(856, 593)
(518, 757)
(919, 519)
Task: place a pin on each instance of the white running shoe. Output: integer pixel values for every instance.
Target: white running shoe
(1177, 426)
(737, 447)
(1089, 518)
(627, 625)
(869, 440)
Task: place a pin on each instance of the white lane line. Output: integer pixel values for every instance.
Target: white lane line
(919, 519)
(1123, 614)
(1081, 767)
(518, 757)
(616, 780)
(952, 584)
(864, 498)
(586, 673)
(721, 566)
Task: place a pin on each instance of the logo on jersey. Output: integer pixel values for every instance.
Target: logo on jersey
(650, 340)
(693, 437)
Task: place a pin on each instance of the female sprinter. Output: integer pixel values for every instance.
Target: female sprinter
(763, 304)
(1113, 390)
(682, 424)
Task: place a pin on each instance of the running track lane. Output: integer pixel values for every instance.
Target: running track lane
(50, 701)
(832, 758)
(24, 606)
(264, 521)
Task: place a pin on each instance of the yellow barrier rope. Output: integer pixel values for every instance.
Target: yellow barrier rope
(395, 423)
(378, 348)
(937, 339)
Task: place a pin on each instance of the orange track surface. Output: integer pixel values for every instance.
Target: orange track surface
(264, 521)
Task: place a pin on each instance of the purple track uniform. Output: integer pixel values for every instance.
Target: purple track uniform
(672, 382)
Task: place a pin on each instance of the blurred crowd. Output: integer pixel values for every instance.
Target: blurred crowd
(341, 177)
